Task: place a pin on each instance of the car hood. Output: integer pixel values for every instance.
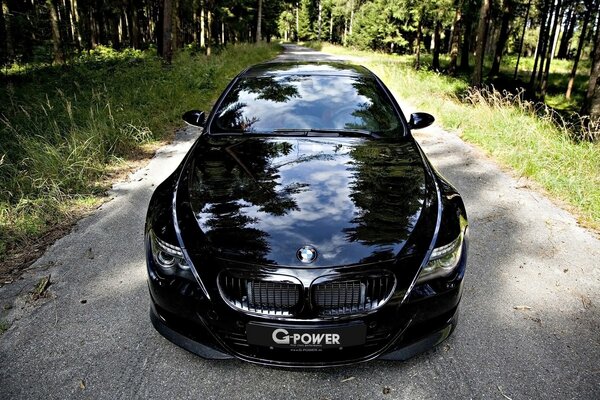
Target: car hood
(258, 200)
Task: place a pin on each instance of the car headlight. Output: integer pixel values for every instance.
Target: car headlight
(443, 260)
(167, 256)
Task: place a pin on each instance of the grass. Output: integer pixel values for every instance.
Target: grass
(508, 128)
(3, 326)
(63, 130)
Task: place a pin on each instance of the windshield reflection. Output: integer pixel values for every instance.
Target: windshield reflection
(264, 104)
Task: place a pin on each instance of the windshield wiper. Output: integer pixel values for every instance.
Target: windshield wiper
(286, 132)
(325, 132)
(344, 132)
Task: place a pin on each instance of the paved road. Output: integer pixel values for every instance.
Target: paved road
(91, 338)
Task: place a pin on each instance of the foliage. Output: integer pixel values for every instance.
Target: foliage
(62, 129)
(375, 27)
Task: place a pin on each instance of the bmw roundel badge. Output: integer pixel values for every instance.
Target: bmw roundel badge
(306, 254)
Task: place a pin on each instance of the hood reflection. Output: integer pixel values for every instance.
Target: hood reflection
(261, 199)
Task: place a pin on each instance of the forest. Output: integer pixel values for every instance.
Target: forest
(88, 86)
(460, 36)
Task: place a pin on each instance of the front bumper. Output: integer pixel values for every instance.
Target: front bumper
(412, 342)
(207, 326)
(397, 331)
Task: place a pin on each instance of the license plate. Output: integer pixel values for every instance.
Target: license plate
(302, 337)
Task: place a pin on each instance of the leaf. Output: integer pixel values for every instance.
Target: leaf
(40, 288)
(522, 308)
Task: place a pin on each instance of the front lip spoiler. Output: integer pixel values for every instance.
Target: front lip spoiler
(402, 354)
(424, 344)
(183, 341)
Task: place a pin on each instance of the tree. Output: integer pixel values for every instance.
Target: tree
(551, 45)
(507, 12)
(259, 37)
(484, 16)
(468, 17)
(5, 17)
(591, 104)
(376, 27)
(456, 27)
(319, 20)
(522, 39)
(435, 63)
(59, 57)
(542, 47)
(565, 40)
(167, 32)
(586, 19)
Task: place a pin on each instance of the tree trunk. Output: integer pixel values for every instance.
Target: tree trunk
(70, 10)
(586, 20)
(135, 26)
(62, 9)
(351, 17)
(591, 104)
(507, 6)
(418, 47)
(563, 49)
(545, 45)
(552, 44)
(466, 47)
(319, 20)
(202, 24)
(259, 22)
(77, 22)
(447, 42)
(159, 26)
(522, 39)
(484, 16)
(490, 36)
(167, 31)
(539, 50)
(176, 27)
(596, 35)
(209, 28)
(435, 64)
(114, 30)
(298, 22)
(331, 27)
(9, 44)
(455, 40)
(59, 57)
(93, 31)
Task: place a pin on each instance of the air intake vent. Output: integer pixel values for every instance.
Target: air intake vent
(340, 296)
(279, 295)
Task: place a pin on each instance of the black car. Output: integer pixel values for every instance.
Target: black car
(305, 227)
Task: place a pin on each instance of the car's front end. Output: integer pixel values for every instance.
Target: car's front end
(305, 251)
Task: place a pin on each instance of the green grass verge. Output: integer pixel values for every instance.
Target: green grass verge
(509, 130)
(62, 129)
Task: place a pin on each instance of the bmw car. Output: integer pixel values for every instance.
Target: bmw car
(306, 227)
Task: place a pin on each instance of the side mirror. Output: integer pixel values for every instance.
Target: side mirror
(194, 118)
(420, 120)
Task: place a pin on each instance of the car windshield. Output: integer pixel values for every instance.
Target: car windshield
(299, 104)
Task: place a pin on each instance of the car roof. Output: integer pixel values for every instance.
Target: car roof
(329, 68)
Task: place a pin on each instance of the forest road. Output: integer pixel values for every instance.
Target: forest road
(529, 324)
